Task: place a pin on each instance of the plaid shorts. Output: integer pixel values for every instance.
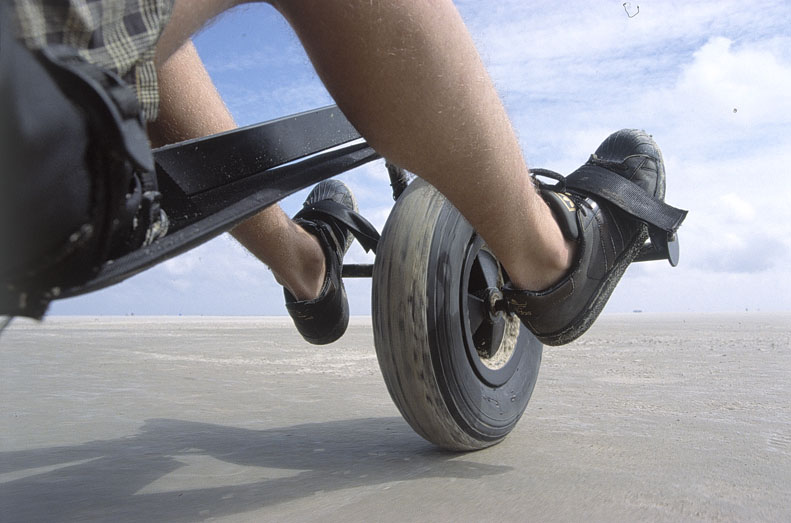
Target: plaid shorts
(119, 35)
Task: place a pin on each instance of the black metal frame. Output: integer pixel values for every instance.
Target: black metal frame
(211, 184)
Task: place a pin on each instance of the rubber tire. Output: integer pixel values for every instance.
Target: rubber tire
(419, 331)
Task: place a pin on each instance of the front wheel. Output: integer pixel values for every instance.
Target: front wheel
(460, 373)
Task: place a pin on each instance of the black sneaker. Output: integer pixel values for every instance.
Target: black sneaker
(626, 173)
(330, 214)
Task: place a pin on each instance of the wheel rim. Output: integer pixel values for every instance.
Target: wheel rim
(490, 336)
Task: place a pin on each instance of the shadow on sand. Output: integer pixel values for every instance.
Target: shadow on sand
(114, 480)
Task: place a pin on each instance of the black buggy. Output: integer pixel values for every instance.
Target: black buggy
(459, 368)
(457, 364)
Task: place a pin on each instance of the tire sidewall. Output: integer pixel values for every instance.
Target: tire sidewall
(485, 412)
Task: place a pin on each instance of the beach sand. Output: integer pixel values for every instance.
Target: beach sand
(647, 417)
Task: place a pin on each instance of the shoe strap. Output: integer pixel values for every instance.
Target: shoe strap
(343, 218)
(625, 195)
(663, 220)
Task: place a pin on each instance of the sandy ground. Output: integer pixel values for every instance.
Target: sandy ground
(667, 418)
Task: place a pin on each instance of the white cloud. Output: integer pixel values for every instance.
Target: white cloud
(181, 264)
(739, 209)
(586, 68)
(751, 82)
(725, 98)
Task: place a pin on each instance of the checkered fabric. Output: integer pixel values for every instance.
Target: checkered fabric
(116, 34)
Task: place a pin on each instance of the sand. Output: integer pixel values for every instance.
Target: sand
(648, 417)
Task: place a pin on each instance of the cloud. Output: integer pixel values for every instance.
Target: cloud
(731, 236)
(727, 100)
(748, 82)
(578, 69)
(736, 254)
(182, 264)
(739, 209)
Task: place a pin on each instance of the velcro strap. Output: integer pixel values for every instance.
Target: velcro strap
(625, 195)
(345, 217)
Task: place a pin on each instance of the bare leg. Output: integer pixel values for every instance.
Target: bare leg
(409, 78)
(192, 108)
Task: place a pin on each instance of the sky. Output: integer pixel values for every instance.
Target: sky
(710, 80)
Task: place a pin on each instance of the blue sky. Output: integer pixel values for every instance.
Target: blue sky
(709, 79)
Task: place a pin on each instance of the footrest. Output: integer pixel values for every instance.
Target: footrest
(660, 248)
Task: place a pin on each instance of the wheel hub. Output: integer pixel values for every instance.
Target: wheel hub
(490, 333)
